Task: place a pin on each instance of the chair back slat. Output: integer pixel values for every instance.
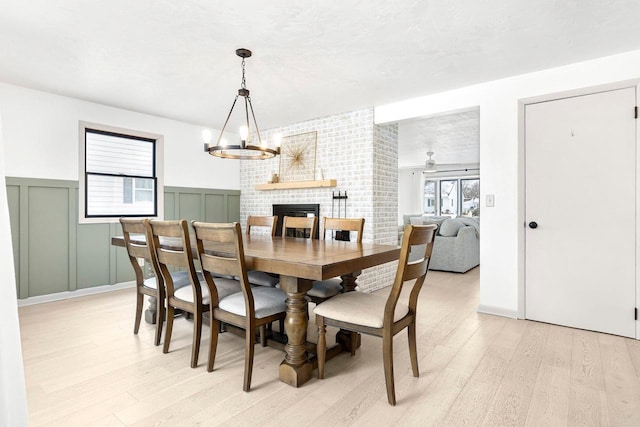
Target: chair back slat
(414, 270)
(343, 224)
(172, 258)
(418, 237)
(181, 257)
(262, 221)
(138, 251)
(307, 223)
(169, 228)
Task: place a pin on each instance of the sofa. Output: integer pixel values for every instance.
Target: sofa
(457, 244)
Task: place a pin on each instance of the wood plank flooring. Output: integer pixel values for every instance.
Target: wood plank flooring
(84, 367)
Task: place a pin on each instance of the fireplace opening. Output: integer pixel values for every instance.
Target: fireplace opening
(303, 210)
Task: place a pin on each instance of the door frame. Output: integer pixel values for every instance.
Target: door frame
(522, 103)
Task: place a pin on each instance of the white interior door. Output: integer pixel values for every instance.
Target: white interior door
(581, 192)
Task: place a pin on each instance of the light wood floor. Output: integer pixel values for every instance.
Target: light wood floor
(85, 368)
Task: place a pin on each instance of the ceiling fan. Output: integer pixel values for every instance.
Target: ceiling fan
(430, 164)
(431, 167)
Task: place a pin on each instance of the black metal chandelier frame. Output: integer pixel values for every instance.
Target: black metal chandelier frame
(245, 150)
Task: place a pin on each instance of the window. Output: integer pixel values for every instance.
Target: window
(430, 197)
(120, 173)
(455, 197)
(470, 196)
(449, 197)
(138, 190)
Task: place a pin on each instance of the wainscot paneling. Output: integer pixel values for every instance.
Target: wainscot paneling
(13, 196)
(53, 253)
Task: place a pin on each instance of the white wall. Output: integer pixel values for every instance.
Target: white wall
(41, 139)
(502, 173)
(13, 397)
(409, 197)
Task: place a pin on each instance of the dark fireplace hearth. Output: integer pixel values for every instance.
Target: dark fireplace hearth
(308, 209)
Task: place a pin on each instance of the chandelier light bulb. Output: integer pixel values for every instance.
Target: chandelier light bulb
(244, 133)
(223, 142)
(277, 139)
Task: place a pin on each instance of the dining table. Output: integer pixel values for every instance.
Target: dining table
(299, 262)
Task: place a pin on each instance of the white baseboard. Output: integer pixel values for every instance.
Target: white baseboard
(41, 299)
(498, 311)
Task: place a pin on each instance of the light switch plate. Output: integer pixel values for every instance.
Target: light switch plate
(490, 200)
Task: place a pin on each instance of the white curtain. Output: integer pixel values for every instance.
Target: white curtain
(13, 396)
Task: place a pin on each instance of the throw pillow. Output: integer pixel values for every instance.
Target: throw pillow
(406, 219)
(450, 227)
(426, 220)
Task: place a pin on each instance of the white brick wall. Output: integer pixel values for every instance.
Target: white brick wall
(362, 157)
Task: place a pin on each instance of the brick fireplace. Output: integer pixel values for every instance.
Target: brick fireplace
(362, 157)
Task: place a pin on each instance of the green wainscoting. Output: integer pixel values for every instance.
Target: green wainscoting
(53, 253)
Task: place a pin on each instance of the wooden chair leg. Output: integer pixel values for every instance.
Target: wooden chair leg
(354, 341)
(387, 357)
(139, 305)
(321, 348)
(169, 329)
(263, 335)
(413, 353)
(248, 358)
(197, 332)
(159, 322)
(214, 329)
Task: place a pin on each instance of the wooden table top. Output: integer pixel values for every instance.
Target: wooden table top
(303, 258)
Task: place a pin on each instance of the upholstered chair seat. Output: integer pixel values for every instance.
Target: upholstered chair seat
(180, 279)
(369, 311)
(225, 288)
(267, 302)
(325, 289)
(261, 278)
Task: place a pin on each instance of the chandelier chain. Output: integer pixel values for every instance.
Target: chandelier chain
(244, 82)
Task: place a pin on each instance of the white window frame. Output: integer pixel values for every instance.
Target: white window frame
(438, 200)
(159, 168)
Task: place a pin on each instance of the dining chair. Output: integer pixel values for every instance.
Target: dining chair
(268, 224)
(153, 286)
(379, 316)
(302, 226)
(173, 249)
(322, 290)
(253, 308)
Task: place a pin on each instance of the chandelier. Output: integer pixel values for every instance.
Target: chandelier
(245, 149)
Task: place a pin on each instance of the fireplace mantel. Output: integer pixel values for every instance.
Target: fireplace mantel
(297, 184)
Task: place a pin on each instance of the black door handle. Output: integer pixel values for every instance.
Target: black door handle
(533, 224)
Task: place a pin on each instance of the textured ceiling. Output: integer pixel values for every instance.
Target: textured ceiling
(176, 58)
(453, 137)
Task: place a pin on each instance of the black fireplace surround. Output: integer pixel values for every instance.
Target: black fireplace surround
(308, 209)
